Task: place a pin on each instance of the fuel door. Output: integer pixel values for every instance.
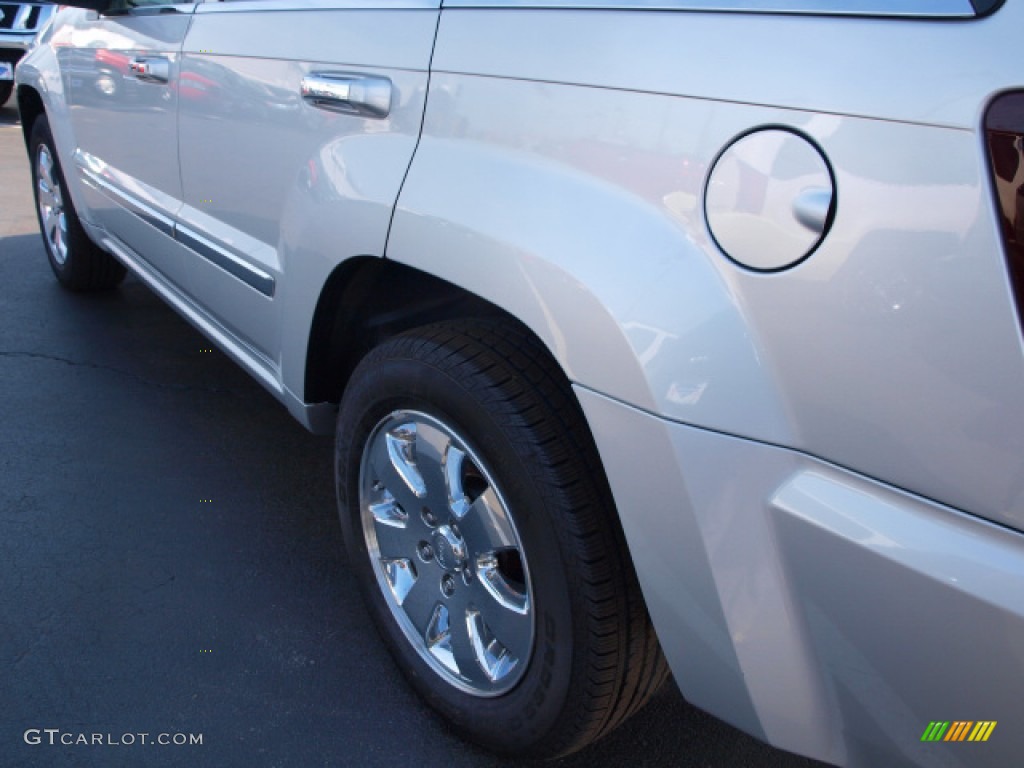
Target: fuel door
(770, 199)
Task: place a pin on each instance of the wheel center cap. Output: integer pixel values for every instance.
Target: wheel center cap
(449, 548)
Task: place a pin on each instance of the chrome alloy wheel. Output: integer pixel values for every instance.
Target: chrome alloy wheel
(446, 553)
(51, 206)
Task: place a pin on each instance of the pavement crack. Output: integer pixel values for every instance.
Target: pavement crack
(157, 586)
(112, 369)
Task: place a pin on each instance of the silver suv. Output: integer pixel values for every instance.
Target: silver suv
(653, 333)
(19, 24)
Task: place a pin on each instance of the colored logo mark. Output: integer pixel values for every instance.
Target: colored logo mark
(958, 730)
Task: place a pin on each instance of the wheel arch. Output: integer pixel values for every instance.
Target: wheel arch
(632, 303)
(367, 300)
(36, 98)
(30, 107)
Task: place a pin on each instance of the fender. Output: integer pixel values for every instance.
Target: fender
(39, 70)
(621, 285)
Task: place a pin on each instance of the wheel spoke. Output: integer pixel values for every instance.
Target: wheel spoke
(438, 638)
(401, 576)
(465, 657)
(396, 542)
(486, 526)
(432, 446)
(508, 592)
(422, 599)
(400, 444)
(387, 511)
(454, 465)
(494, 656)
(49, 221)
(389, 477)
(58, 240)
(45, 167)
(511, 628)
(45, 194)
(390, 522)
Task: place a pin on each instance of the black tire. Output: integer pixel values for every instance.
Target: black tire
(6, 87)
(593, 658)
(79, 264)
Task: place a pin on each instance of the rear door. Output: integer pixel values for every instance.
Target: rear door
(298, 120)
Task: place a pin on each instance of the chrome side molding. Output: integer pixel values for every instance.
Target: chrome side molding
(249, 274)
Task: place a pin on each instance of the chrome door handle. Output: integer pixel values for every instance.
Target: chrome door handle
(151, 69)
(366, 95)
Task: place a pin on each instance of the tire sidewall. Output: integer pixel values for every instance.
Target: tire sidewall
(525, 715)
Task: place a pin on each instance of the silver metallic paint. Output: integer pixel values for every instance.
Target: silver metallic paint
(40, 70)
(294, 189)
(831, 613)
(928, 72)
(559, 175)
(912, 252)
(93, 174)
(126, 139)
(893, 350)
(238, 6)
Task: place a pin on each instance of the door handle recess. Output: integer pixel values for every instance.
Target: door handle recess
(366, 95)
(151, 69)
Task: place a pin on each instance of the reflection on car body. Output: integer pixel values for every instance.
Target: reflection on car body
(654, 335)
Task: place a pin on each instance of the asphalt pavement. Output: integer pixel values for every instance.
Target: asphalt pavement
(171, 562)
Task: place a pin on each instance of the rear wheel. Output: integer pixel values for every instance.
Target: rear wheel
(78, 263)
(479, 523)
(6, 86)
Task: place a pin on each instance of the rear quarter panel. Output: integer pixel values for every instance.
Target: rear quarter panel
(561, 175)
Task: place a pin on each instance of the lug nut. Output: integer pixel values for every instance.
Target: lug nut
(426, 552)
(447, 585)
(467, 576)
(429, 517)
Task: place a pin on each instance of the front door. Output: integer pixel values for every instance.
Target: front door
(120, 73)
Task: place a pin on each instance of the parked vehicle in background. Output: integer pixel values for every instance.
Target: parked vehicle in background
(19, 24)
(648, 330)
